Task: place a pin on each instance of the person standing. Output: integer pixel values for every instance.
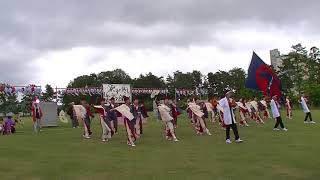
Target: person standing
(289, 107)
(276, 114)
(229, 118)
(303, 101)
(36, 115)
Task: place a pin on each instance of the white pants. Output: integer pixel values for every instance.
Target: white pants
(106, 130)
(36, 126)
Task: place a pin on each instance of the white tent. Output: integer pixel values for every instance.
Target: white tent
(50, 114)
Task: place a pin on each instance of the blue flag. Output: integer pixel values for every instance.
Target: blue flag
(261, 77)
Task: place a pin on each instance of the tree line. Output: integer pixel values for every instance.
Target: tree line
(300, 71)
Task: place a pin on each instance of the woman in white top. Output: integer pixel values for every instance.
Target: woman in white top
(276, 114)
(303, 101)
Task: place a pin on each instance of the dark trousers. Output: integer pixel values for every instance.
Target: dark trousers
(87, 122)
(279, 122)
(308, 115)
(234, 129)
(109, 125)
(74, 122)
(115, 124)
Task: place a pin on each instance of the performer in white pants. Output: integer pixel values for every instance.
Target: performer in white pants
(165, 113)
(129, 121)
(80, 113)
(200, 125)
(106, 130)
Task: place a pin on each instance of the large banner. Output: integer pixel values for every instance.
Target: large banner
(117, 91)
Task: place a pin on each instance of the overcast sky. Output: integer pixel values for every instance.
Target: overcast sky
(44, 41)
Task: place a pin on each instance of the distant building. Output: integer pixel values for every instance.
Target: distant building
(275, 58)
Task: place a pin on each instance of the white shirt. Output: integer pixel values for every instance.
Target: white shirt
(304, 105)
(274, 109)
(228, 115)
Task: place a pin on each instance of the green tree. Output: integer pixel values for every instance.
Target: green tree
(26, 103)
(48, 95)
(149, 81)
(294, 70)
(117, 76)
(300, 71)
(234, 79)
(85, 80)
(8, 103)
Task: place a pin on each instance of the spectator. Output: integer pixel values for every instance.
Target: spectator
(9, 125)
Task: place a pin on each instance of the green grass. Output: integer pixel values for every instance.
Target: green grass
(61, 153)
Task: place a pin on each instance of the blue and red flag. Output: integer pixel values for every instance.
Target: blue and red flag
(261, 77)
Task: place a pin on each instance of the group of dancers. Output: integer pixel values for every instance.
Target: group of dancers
(224, 110)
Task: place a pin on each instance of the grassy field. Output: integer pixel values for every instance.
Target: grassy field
(61, 153)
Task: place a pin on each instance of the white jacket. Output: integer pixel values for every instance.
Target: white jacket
(228, 115)
(304, 105)
(274, 109)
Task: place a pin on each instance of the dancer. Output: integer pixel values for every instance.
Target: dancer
(264, 108)
(87, 119)
(106, 130)
(220, 113)
(255, 111)
(137, 113)
(175, 113)
(242, 111)
(209, 109)
(303, 101)
(198, 116)
(129, 121)
(112, 116)
(276, 114)
(215, 114)
(165, 114)
(80, 113)
(249, 110)
(229, 117)
(144, 112)
(289, 108)
(70, 112)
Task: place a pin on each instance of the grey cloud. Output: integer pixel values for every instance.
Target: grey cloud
(60, 24)
(43, 25)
